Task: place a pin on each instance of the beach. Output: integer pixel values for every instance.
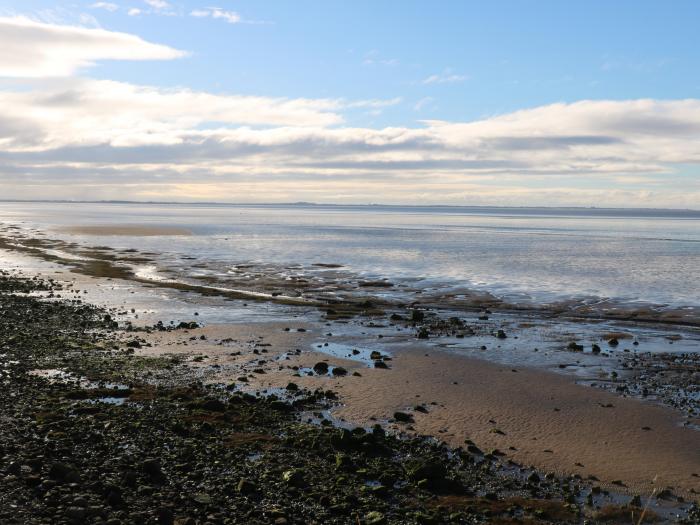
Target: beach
(591, 404)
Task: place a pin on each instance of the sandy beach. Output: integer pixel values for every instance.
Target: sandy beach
(535, 418)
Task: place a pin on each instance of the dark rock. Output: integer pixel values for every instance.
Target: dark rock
(402, 417)
(417, 316)
(321, 368)
(246, 487)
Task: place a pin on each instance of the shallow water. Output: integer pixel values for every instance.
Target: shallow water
(527, 255)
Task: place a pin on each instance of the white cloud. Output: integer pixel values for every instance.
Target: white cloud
(158, 4)
(447, 77)
(31, 49)
(106, 139)
(216, 12)
(374, 58)
(107, 6)
(134, 11)
(422, 103)
(177, 138)
(83, 112)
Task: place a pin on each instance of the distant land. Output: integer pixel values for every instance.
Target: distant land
(420, 208)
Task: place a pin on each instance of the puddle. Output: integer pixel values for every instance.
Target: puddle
(351, 352)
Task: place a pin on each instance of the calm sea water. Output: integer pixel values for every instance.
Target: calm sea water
(526, 254)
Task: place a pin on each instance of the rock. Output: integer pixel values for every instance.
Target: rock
(151, 467)
(636, 501)
(246, 487)
(402, 417)
(113, 495)
(294, 477)
(292, 387)
(342, 439)
(321, 368)
(380, 364)
(375, 518)
(342, 461)
(533, 478)
(76, 513)
(575, 347)
(281, 406)
(595, 349)
(613, 342)
(423, 333)
(417, 316)
(202, 498)
(501, 334)
(434, 472)
(213, 405)
(339, 371)
(63, 472)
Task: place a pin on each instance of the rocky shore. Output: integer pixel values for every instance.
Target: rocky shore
(93, 432)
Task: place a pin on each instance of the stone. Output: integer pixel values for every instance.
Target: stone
(402, 417)
(321, 368)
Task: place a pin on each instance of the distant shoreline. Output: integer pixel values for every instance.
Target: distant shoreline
(442, 208)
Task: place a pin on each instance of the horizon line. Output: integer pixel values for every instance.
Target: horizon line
(320, 204)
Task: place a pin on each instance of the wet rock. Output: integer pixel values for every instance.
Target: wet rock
(294, 477)
(151, 467)
(246, 487)
(402, 417)
(321, 368)
(430, 470)
(213, 405)
(417, 316)
(339, 371)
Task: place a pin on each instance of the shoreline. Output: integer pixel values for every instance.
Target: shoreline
(337, 299)
(484, 406)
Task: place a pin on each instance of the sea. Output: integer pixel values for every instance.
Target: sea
(631, 256)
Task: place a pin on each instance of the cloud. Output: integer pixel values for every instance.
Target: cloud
(447, 77)
(216, 12)
(107, 6)
(134, 11)
(422, 103)
(373, 58)
(82, 111)
(158, 4)
(85, 138)
(31, 49)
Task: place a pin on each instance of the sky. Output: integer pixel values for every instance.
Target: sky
(516, 103)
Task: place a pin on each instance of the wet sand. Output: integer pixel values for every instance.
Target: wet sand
(534, 417)
(126, 230)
